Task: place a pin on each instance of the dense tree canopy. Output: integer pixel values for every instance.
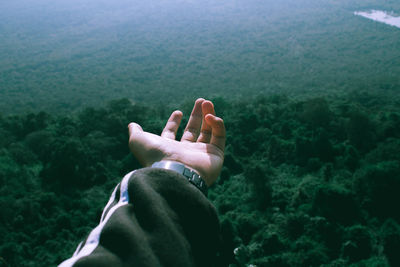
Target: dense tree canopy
(305, 182)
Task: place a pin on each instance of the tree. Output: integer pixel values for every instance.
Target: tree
(390, 232)
(336, 204)
(378, 188)
(258, 175)
(361, 130)
(358, 243)
(316, 112)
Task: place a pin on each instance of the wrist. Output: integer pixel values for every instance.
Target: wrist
(190, 174)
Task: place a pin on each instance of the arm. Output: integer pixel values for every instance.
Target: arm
(155, 217)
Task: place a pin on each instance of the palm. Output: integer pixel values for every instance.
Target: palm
(200, 148)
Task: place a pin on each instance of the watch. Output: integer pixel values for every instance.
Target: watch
(192, 176)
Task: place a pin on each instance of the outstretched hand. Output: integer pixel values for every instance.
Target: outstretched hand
(201, 147)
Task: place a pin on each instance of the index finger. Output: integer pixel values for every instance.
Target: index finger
(172, 125)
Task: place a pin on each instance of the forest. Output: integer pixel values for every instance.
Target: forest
(305, 182)
(67, 55)
(308, 91)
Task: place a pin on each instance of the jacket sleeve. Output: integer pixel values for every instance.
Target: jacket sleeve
(155, 217)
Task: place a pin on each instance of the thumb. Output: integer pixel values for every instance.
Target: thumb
(136, 142)
(134, 128)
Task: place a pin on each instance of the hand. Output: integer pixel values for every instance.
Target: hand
(201, 147)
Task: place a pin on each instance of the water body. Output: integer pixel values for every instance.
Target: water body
(381, 16)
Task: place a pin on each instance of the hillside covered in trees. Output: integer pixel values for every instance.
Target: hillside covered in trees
(67, 55)
(309, 93)
(305, 182)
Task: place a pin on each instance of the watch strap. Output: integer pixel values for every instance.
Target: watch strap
(192, 176)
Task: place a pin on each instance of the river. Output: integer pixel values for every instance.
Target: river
(381, 16)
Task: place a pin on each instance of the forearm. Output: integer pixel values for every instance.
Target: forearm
(156, 217)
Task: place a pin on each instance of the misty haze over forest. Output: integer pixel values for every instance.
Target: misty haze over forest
(62, 55)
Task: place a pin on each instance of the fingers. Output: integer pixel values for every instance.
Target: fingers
(204, 126)
(205, 132)
(192, 129)
(218, 132)
(172, 125)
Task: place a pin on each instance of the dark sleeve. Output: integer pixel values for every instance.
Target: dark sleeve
(154, 217)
